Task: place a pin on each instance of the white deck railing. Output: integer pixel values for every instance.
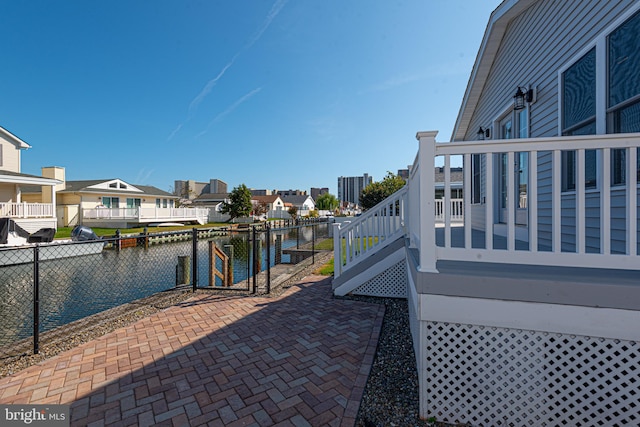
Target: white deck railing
(582, 227)
(26, 210)
(456, 208)
(148, 214)
(369, 232)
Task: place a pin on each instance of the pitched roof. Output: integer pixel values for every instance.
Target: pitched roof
(86, 186)
(12, 138)
(211, 197)
(457, 174)
(296, 199)
(26, 179)
(267, 199)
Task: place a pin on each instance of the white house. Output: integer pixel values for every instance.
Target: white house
(30, 216)
(114, 203)
(273, 204)
(526, 314)
(303, 203)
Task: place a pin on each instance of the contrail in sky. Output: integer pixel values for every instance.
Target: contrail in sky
(230, 109)
(193, 105)
(275, 10)
(210, 84)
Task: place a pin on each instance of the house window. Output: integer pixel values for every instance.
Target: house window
(523, 123)
(623, 100)
(618, 167)
(476, 178)
(623, 106)
(133, 203)
(111, 202)
(113, 185)
(164, 203)
(579, 117)
(1, 148)
(157, 203)
(579, 97)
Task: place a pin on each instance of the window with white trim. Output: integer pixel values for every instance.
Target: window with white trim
(623, 100)
(620, 80)
(623, 89)
(133, 202)
(579, 117)
(111, 202)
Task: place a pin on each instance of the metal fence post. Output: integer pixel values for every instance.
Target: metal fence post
(36, 299)
(194, 258)
(255, 259)
(268, 237)
(313, 244)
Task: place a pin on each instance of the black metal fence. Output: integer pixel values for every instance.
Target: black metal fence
(48, 287)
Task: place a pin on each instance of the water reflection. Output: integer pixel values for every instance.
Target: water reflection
(74, 288)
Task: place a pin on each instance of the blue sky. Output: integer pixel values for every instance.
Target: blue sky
(274, 94)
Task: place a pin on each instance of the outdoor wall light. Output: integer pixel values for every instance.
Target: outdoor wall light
(484, 133)
(522, 95)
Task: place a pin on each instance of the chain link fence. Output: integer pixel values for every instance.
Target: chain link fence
(47, 287)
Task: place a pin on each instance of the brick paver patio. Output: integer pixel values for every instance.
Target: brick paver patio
(301, 359)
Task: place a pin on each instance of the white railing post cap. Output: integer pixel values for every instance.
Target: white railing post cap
(427, 134)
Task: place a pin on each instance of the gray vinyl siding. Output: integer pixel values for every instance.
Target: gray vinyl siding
(536, 45)
(618, 220)
(545, 213)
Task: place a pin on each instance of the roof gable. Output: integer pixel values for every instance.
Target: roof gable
(297, 199)
(8, 136)
(105, 186)
(496, 28)
(114, 185)
(266, 199)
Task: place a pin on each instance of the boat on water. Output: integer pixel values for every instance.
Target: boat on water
(17, 246)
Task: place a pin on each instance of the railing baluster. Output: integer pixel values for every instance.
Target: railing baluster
(466, 188)
(605, 204)
(532, 201)
(632, 201)
(557, 202)
(511, 202)
(447, 201)
(580, 203)
(488, 202)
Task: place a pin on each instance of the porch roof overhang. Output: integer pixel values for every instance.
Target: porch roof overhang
(7, 177)
(496, 28)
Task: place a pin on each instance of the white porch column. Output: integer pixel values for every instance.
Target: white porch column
(54, 212)
(426, 196)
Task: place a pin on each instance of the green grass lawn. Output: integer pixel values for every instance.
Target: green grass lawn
(325, 245)
(326, 269)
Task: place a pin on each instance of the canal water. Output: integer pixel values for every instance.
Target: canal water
(77, 287)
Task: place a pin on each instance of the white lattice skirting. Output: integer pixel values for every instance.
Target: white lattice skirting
(491, 376)
(390, 283)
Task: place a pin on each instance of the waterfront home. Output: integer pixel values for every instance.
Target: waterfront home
(302, 202)
(526, 313)
(29, 216)
(114, 203)
(273, 204)
(214, 202)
